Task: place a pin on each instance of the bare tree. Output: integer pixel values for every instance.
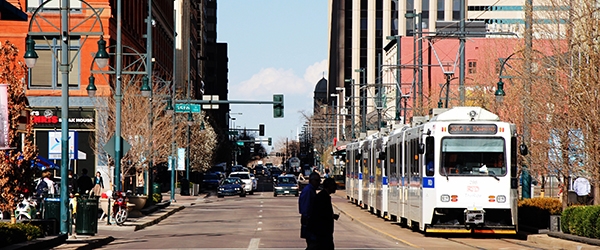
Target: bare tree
(167, 132)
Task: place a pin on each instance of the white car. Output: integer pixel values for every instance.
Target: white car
(254, 182)
(245, 176)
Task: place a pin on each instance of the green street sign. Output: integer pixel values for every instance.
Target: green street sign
(240, 143)
(233, 132)
(187, 108)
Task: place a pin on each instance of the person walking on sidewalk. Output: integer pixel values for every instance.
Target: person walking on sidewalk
(305, 207)
(322, 218)
(84, 182)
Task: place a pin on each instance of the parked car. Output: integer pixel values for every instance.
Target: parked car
(245, 176)
(231, 186)
(211, 181)
(286, 185)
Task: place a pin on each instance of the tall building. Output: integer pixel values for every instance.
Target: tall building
(365, 36)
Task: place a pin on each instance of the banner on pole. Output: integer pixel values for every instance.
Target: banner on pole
(181, 159)
(4, 121)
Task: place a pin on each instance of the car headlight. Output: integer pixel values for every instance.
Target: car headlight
(445, 198)
(237, 189)
(278, 188)
(501, 198)
(294, 187)
(221, 189)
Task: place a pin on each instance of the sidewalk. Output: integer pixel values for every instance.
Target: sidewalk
(106, 232)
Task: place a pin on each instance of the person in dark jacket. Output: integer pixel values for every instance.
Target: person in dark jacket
(85, 183)
(322, 218)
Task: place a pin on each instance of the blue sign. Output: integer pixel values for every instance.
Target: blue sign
(385, 180)
(360, 176)
(428, 182)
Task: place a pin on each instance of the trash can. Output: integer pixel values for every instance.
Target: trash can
(156, 188)
(185, 187)
(195, 189)
(51, 206)
(86, 221)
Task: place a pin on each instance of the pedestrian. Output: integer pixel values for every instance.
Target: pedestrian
(582, 187)
(84, 183)
(322, 218)
(72, 182)
(139, 178)
(46, 186)
(98, 184)
(305, 207)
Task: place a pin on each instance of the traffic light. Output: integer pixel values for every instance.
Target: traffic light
(270, 141)
(261, 130)
(278, 106)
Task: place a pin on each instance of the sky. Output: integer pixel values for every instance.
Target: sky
(274, 47)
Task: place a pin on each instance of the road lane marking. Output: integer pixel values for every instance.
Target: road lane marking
(260, 216)
(260, 211)
(254, 244)
(260, 222)
(259, 229)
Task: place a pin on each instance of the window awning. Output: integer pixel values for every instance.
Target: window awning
(10, 12)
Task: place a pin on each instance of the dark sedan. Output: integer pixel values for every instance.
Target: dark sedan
(211, 181)
(231, 186)
(286, 185)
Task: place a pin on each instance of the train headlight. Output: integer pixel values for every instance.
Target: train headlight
(445, 198)
(501, 198)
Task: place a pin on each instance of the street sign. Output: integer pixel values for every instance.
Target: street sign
(240, 143)
(187, 107)
(109, 147)
(233, 132)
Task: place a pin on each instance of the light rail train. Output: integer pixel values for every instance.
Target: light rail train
(453, 173)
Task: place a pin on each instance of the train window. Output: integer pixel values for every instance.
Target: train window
(473, 156)
(429, 156)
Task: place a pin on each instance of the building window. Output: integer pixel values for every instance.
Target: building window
(46, 73)
(472, 67)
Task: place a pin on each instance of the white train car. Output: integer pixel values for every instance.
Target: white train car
(380, 181)
(353, 175)
(456, 173)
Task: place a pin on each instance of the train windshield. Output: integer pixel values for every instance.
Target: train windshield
(473, 156)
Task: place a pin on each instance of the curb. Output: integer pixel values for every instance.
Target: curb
(39, 243)
(93, 244)
(157, 220)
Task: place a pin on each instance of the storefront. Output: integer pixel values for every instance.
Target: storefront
(47, 132)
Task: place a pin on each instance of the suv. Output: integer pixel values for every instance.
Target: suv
(286, 185)
(260, 170)
(245, 176)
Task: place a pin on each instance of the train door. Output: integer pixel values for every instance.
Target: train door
(415, 189)
(360, 185)
(429, 166)
(404, 174)
(381, 178)
(350, 165)
(372, 162)
(392, 173)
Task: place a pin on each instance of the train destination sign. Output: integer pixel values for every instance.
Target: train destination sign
(479, 129)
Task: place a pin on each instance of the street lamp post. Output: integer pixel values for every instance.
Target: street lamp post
(342, 111)
(398, 39)
(363, 100)
(31, 56)
(417, 82)
(351, 81)
(337, 114)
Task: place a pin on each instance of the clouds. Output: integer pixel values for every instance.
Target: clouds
(268, 81)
